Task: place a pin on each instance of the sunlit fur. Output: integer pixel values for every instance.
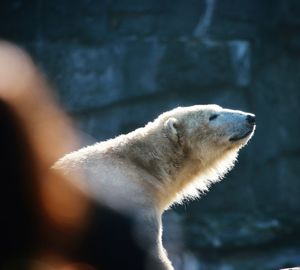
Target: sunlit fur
(204, 157)
(174, 158)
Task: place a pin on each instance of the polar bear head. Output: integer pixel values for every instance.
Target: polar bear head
(210, 138)
(208, 130)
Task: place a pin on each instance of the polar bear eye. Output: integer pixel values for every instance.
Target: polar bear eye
(212, 117)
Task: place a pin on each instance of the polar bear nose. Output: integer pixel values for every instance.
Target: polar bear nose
(250, 119)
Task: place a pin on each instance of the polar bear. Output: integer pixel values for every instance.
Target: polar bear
(175, 157)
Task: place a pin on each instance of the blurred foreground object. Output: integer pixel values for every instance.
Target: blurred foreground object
(46, 221)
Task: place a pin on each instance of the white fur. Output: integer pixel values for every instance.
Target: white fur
(174, 158)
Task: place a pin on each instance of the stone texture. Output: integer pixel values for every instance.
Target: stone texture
(18, 19)
(243, 19)
(76, 21)
(191, 64)
(163, 18)
(88, 77)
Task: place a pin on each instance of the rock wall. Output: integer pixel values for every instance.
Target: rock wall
(117, 64)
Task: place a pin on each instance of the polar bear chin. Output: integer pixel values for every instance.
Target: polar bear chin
(209, 175)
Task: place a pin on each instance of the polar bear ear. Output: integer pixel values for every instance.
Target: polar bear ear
(172, 128)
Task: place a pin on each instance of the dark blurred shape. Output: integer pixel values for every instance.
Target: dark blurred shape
(19, 224)
(46, 221)
(109, 242)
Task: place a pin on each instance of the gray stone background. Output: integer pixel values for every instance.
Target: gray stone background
(117, 64)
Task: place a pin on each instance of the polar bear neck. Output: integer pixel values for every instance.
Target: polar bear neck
(151, 151)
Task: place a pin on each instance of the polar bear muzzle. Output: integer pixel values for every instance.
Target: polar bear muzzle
(246, 129)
